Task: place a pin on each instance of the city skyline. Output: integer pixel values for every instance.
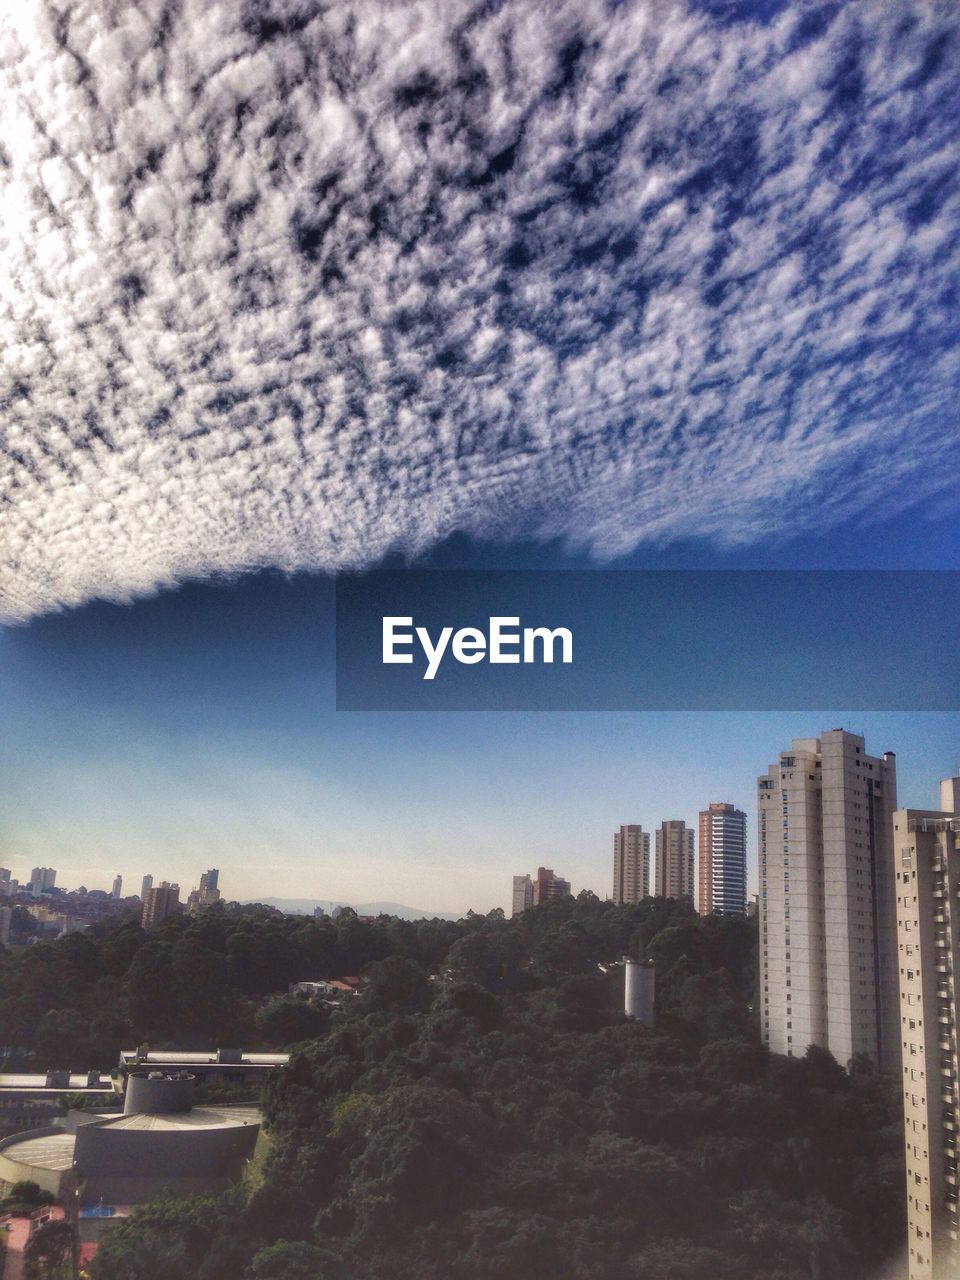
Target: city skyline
(927, 748)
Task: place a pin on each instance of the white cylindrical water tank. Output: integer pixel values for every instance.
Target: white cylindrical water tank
(638, 991)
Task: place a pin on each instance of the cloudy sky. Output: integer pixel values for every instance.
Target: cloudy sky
(295, 283)
(307, 286)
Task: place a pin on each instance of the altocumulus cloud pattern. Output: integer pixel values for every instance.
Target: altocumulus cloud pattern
(295, 284)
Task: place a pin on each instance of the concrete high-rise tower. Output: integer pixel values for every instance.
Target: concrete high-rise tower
(209, 892)
(926, 859)
(145, 884)
(722, 879)
(42, 879)
(631, 865)
(828, 970)
(117, 889)
(547, 886)
(160, 901)
(522, 894)
(674, 860)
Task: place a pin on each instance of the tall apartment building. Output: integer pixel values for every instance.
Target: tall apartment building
(631, 865)
(722, 878)
(675, 860)
(522, 894)
(117, 889)
(42, 879)
(927, 867)
(160, 901)
(548, 885)
(145, 884)
(828, 969)
(530, 891)
(209, 891)
(4, 881)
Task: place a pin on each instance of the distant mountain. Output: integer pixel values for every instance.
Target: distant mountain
(305, 907)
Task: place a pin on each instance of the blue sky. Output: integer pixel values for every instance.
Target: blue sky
(197, 727)
(320, 288)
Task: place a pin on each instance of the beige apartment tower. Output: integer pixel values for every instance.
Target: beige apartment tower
(675, 860)
(827, 905)
(160, 901)
(522, 895)
(926, 848)
(631, 865)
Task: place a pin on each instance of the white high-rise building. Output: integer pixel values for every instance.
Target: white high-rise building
(674, 860)
(926, 851)
(117, 889)
(522, 894)
(42, 879)
(631, 865)
(828, 970)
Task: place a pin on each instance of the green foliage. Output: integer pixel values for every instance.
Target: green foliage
(286, 1020)
(296, 1261)
(484, 1111)
(48, 1252)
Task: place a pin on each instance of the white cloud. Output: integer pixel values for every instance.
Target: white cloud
(294, 284)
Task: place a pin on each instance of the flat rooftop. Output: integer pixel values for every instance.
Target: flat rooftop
(174, 1057)
(52, 1152)
(198, 1118)
(38, 1083)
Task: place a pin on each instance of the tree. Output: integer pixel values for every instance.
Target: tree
(285, 1020)
(296, 1260)
(48, 1250)
(396, 984)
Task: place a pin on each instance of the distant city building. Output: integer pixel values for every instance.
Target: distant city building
(4, 882)
(674, 860)
(722, 880)
(42, 880)
(117, 889)
(522, 894)
(209, 892)
(927, 869)
(631, 865)
(160, 901)
(548, 885)
(828, 967)
(145, 884)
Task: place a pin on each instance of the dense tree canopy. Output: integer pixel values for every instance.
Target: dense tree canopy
(485, 1112)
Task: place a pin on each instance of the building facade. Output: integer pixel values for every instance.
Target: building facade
(159, 902)
(631, 865)
(42, 880)
(827, 906)
(522, 894)
(548, 885)
(927, 870)
(722, 879)
(675, 860)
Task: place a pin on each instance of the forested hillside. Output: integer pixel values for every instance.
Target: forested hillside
(485, 1111)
